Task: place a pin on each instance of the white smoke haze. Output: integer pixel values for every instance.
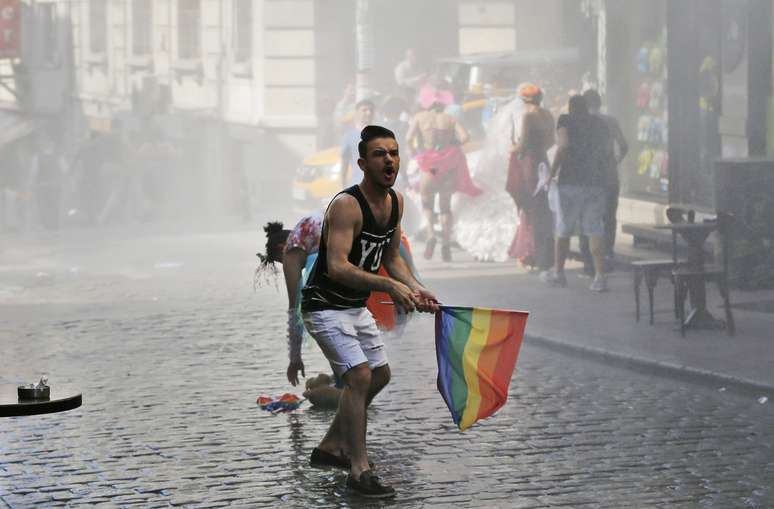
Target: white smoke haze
(194, 114)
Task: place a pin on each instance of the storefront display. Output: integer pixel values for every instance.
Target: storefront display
(652, 159)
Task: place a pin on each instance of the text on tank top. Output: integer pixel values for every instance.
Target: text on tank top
(366, 252)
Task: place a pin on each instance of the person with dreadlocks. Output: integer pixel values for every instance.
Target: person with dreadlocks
(293, 249)
(296, 250)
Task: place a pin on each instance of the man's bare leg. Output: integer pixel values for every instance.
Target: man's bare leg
(598, 247)
(380, 377)
(334, 442)
(427, 195)
(562, 249)
(430, 220)
(352, 416)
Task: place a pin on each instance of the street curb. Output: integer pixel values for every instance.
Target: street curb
(650, 366)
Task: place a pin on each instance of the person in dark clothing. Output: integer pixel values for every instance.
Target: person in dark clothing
(361, 230)
(616, 152)
(581, 166)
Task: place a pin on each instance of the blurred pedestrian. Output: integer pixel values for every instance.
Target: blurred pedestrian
(350, 171)
(44, 185)
(528, 174)
(122, 173)
(292, 249)
(87, 166)
(581, 166)
(616, 152)
(343, 112)
(395, 117)
(438, 138)
(409, 76)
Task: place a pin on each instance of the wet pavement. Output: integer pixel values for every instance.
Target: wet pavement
(171, 351)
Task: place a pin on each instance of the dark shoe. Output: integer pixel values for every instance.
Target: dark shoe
(322, 458)
(446, 253)
(369, 486)
(430, 248)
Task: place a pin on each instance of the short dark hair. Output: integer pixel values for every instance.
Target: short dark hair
(371, 132)
(365, 102)
(593, 99)
(437, 106)
(577, 105)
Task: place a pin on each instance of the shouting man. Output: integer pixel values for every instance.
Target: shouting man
(361, 230)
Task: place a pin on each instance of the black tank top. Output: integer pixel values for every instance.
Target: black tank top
(321, 292)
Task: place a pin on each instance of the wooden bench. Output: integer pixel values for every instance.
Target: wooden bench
(645, 233)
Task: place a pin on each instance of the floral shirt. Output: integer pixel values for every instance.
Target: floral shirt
(306, 235)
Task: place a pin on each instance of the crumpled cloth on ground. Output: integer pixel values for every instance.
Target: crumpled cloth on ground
(275, 405)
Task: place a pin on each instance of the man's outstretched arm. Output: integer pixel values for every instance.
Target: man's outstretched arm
(397, 267)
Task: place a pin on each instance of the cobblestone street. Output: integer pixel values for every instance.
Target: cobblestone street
(172, 351)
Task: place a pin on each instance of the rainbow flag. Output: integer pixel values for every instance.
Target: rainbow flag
(477, 350)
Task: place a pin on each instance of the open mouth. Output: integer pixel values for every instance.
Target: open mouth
(389, 172)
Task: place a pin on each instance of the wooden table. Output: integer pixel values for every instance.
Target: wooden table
(695, 234)
(63, 398)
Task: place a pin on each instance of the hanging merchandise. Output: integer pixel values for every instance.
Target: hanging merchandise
(654, 132)
(656, 97)
(643, 161)
(655, 166)
(643, 127)
(655, 60)
(643, 96)
(643, 64)
(652, 129)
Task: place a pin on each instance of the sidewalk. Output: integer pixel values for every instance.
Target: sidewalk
(603, 325)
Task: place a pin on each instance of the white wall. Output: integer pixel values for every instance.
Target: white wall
(486, 26)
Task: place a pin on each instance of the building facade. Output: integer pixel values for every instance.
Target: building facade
(243, 88)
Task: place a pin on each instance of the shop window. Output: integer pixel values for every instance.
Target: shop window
(142, 27)
(637, 89)
(189, 14)
(97, 26)
(243, 30)
(652, 163)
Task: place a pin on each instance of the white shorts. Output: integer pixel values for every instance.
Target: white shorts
(347, 337)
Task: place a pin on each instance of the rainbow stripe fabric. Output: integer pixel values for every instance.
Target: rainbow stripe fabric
(477, 350)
